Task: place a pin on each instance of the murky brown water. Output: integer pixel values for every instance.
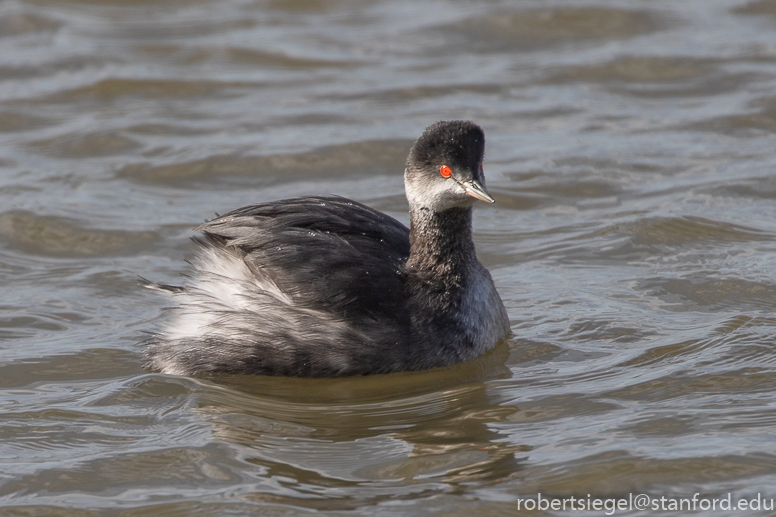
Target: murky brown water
(632, 153)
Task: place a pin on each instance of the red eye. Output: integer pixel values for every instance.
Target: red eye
(445, 171)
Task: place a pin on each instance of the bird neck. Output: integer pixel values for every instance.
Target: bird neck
(441, 245)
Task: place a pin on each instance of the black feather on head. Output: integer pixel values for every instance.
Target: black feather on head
(456, 143)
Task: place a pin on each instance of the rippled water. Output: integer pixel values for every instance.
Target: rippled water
(631, 151)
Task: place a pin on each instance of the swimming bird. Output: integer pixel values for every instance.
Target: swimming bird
(326, 286)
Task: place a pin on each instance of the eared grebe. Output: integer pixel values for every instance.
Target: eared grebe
(325, 286)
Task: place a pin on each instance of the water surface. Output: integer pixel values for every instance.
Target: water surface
(631, 148)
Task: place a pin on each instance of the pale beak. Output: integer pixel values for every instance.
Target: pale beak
(477, 191)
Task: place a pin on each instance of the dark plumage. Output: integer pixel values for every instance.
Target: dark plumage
(326, 286)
